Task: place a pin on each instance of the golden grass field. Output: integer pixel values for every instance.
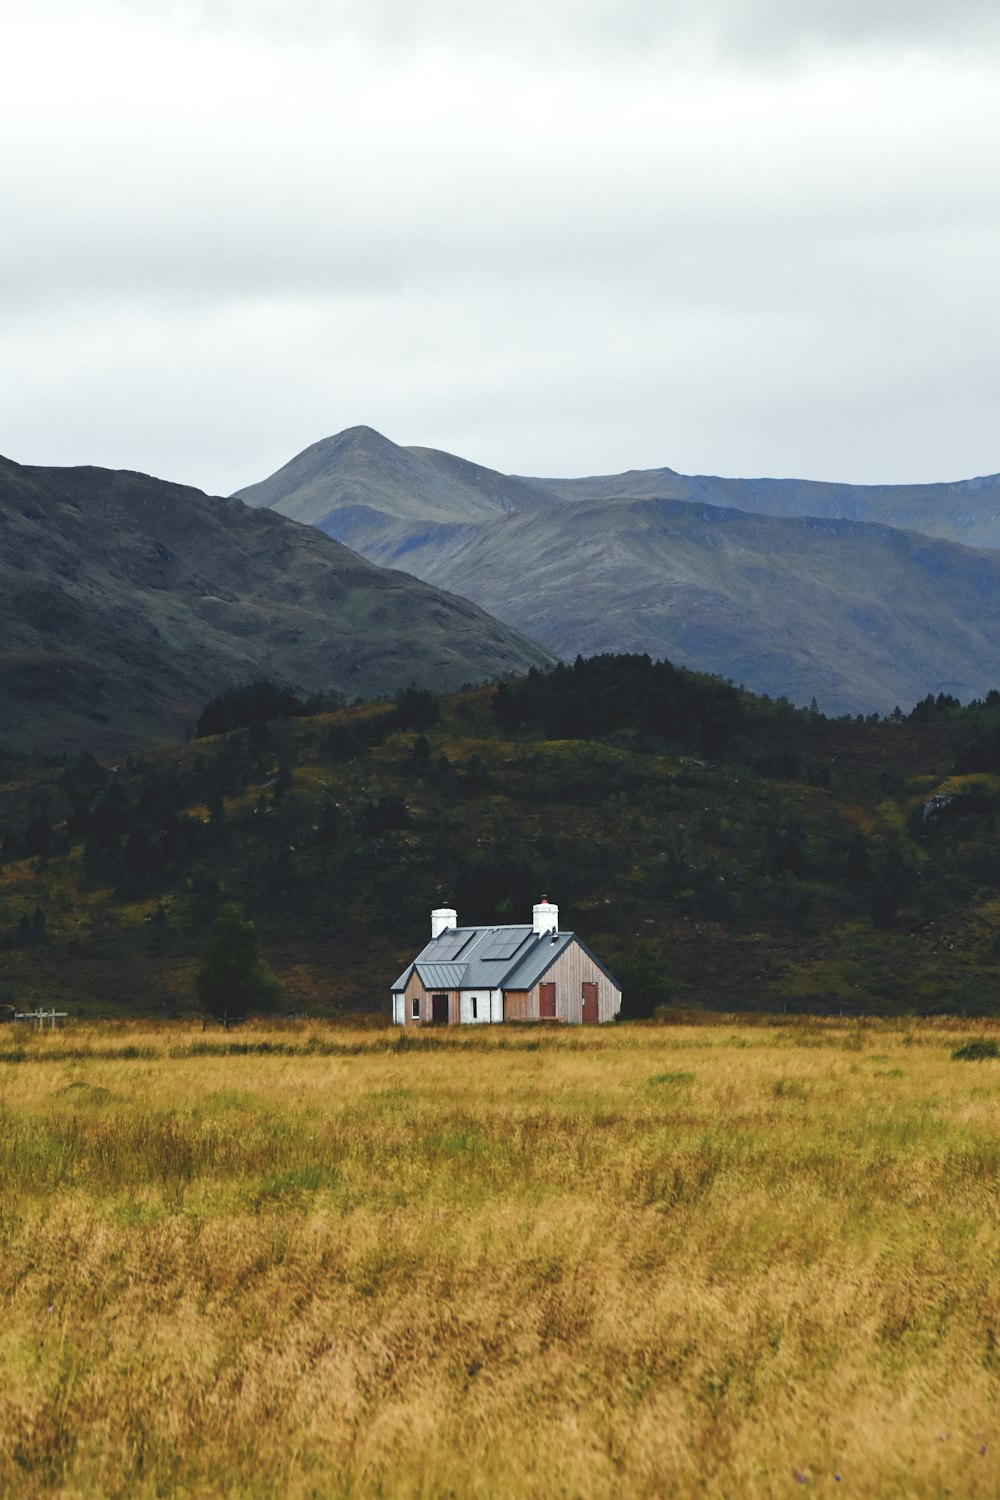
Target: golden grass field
(714, 1260)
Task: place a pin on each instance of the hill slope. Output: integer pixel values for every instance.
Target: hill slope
(862, 616)
(712, 848)
(127, 602)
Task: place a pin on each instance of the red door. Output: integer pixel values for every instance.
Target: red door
(547, 1002)
(439, 1008)
(589, 1002)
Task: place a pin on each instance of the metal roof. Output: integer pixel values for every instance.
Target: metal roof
(528, 955)
(532, 964)
(484, 973)
(441, 976)
(525, 957)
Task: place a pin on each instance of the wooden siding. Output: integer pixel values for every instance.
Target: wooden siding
(569, 972)
(415, 990)
(515, 1006)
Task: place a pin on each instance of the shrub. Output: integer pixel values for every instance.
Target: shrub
(976, 1051)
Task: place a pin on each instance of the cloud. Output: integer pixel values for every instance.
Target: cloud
(563, 237)
(543, 31)
(779, 22)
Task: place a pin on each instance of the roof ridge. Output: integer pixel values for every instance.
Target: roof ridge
(492, 926)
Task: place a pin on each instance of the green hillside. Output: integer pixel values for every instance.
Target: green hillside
(715, 849)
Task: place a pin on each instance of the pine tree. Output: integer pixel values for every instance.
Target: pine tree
(234, 977)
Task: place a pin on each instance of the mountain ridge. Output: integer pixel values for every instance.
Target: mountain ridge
(795, 605)
(920, 507)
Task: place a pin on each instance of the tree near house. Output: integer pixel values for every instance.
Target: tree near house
(234, 977)
(644, 980)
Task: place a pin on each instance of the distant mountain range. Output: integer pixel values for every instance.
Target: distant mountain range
(127, 602)
(967, 510)
(862, 596)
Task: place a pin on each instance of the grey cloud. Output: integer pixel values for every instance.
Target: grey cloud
(567, 257)
(863, 370)
(754, 26)
(302, 208)
(554, 28)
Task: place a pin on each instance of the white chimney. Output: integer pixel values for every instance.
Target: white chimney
(545, 917)
(442, 920)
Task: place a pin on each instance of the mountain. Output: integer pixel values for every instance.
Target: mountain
(128, 602)
(860, 615)
(360, 470)
(966, 510)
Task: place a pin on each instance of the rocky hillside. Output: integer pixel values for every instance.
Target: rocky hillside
(811, 602)
(127, 602)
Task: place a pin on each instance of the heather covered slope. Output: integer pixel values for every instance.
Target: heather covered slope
(859, 615)
(127, 602)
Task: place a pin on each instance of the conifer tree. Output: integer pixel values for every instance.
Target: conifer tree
(234, 977)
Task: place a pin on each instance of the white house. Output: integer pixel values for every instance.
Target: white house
(474, 975)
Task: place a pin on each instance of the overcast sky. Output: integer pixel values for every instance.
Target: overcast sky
(743, 237)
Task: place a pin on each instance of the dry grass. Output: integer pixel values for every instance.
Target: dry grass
(721, 1261)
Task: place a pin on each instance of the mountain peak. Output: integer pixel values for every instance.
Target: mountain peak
(360, 434)
(327, 482)
(771, 582)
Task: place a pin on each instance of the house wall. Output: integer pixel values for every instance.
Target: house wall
(570, 970)
(516, 1005)
(489, 1007)
(415, 990)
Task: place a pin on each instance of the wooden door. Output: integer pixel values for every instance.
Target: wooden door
(439, 1008)
(589, 1002)
(547, 1002)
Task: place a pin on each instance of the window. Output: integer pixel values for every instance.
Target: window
(416, 1008)
(474, 1016)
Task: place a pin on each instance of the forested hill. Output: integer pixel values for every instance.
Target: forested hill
(716, 849)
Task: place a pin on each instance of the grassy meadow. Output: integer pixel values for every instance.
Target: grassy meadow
(714, 1260)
